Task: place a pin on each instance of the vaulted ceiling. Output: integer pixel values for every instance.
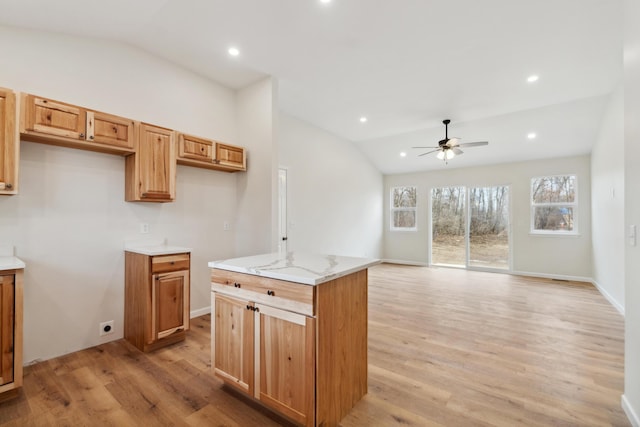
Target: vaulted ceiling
(403, 64)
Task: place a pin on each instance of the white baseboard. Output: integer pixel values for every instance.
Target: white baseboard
(553, 276)
(200, 312)
(631, 414)
(609, 298)
(403, 262)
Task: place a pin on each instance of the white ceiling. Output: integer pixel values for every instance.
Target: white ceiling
(405, 64)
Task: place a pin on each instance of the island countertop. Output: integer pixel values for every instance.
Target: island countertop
(299, 267)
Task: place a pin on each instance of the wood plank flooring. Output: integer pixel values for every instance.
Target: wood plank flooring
(446, 348)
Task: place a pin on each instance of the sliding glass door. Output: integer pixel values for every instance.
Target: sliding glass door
(449, 226)
(470, 227)
(489, 227)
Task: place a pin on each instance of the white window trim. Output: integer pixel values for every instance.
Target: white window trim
(573, 204)
(393, 209)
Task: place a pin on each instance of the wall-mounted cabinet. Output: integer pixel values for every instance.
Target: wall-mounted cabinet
(53, 122)
(150, 173)
(209, 154)
(9, 143)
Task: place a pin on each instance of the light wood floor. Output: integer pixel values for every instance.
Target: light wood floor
(446, 347)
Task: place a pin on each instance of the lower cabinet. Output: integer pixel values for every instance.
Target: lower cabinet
(268, 353)
(11, 296)
(157, 309)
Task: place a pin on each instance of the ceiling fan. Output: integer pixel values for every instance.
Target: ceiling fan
(448, 148)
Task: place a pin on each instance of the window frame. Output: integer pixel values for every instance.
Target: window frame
(574, 205)
(393, 210)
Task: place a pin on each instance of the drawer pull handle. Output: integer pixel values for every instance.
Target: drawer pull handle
(249, 307)
(236, 285)
(271, 293)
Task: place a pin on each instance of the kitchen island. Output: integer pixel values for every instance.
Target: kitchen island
(290, 330)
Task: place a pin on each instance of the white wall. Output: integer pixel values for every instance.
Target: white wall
(70, 220)
(554, 256)
(607, 203)
(631, 397)
(257, 189)
(333, 192)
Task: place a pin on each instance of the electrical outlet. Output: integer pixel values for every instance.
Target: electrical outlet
(106, 328)
(226, 226)
(144, 228)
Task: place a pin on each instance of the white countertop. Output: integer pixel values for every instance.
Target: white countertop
(300, 267)
(156, 249)
(10, 263)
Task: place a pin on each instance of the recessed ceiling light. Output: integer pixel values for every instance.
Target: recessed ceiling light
(233, 51)
(325, 1)
(532, 78)
(403, 154)
(363, 119)
(531, 135)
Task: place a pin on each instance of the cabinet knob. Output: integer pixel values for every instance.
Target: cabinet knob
(82, 135)
(249, 307)
(270, 293)
(236, 285)
(91, 137)
(8, 186)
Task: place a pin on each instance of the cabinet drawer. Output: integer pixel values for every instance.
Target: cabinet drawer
(163, 263)
(278, 293)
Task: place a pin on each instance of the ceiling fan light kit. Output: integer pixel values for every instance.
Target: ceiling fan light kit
(448, 148)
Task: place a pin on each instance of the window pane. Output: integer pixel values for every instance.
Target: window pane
(404, 219)
(404, 197)
(489, 227)
(554, 189)
(554, 218)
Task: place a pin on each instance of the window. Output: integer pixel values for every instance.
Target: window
(403, 208)
(554, 204)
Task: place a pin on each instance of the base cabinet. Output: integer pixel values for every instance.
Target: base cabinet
(11, 298)
(300, 350)
(157, 309)
(267, 353)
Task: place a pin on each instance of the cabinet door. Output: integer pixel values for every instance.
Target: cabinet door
(170, 304)
(232, 343)
(7, 328)
(54, 118)
(8, 143)
(287, 362)
(110, 130)
(151, 171)
(194, 148)
(230, 157)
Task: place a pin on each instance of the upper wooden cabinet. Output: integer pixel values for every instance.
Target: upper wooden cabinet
(209, 154)
(150, 173)
(58, 123)
(9, 143)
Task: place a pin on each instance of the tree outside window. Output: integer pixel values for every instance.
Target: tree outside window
(403, 208)
(554, 204)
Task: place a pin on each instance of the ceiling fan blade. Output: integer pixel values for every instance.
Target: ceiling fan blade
(457, 150)
(426, 147)
(428, 152)
(474, 144)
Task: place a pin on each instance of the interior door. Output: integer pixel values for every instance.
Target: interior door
(283, 238)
